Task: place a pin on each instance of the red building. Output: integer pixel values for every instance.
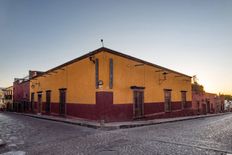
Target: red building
(21, 93)
(203, 102)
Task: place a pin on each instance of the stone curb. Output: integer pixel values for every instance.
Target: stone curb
(115, 126)
(63, 121)
(169, 121)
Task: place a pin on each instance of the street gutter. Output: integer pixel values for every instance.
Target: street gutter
(117, 125)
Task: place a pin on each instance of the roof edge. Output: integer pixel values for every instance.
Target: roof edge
(71, 61)
(112, 52)
(143, 61)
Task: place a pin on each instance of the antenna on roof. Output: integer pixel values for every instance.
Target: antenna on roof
(195, 79)
(102, 42)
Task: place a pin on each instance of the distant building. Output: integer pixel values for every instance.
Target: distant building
(21, 92)
(228, 105)
(204, 102)
(8, 96)
(2, 100)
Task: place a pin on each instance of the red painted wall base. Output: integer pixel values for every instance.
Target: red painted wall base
(104, 109)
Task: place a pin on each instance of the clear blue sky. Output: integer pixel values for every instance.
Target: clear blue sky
(189, 36)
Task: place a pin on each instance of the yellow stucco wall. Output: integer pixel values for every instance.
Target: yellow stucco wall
(79, 79)
(131, 73)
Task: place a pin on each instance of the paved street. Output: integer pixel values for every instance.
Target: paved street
(204, 136)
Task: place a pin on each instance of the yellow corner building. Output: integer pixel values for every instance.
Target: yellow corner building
(111, 86)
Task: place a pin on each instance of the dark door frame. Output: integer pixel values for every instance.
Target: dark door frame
(136, 92)
(48, 102)
(62, 112)
(39, 102)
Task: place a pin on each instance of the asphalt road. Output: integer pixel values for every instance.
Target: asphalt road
(212, 135)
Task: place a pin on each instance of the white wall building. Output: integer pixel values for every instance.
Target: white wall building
(228, 105)
(2, 103)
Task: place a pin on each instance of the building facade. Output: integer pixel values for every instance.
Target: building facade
(21, 98)
(204, 102)
(111, 86)
(2, 99)
(21, 93)
(8, 95)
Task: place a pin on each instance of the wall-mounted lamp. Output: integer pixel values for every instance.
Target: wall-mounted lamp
(92, 58)
(33, 85)
(165, 75)
(161, 79)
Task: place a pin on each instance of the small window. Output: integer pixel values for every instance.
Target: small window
(96, 73)
(111, 73)
(167, 100)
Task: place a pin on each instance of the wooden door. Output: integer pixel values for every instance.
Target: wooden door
(204, 110)
(138, 104)
(39, 102)
(62, 105)
(104, 104)
(48, 101)
(32, 102)
(167, 100)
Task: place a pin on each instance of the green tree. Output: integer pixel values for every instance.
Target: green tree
(228, 97)
(197, 88)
